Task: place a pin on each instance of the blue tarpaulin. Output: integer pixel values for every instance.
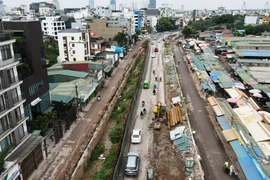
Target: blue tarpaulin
(223, 123)
(204, 85)
(239, 149)
(249, 168)
(257, 152)
(214, 75)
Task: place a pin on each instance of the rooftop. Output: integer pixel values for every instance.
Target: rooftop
(71, 31)
(77, 74)
(23, 150)
(253, 53)
(65, 92)
(253, 44)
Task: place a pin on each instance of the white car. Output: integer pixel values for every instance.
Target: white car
(136, 136)
(152, 43)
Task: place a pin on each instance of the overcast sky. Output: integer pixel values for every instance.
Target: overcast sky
(176, 4)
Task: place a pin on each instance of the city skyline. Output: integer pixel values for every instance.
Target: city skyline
(189, 5)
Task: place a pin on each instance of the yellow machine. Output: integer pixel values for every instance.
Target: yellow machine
(158, 110)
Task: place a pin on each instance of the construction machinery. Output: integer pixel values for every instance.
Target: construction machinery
(158, 111)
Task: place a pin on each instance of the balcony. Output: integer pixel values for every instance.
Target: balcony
(13, 79)
(19, 117)
(4, 36)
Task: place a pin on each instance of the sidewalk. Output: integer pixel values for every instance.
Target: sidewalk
(63, 155)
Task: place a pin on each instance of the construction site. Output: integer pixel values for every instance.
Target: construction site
(173, 140)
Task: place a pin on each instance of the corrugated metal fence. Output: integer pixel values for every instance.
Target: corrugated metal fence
(129, 119)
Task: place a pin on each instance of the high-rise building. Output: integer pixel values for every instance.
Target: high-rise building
(14, 137)
(113, 4)
(92, 4)
(32, 67)
(152, 4)
(57, 4)
(1, 8)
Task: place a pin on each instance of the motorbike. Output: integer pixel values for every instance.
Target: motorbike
(98, 98)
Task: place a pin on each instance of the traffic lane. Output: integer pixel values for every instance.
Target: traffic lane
(211, 150)
(143, 124)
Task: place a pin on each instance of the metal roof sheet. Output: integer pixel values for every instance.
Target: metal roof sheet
(77, 74)
(253, 53)
(23, 150)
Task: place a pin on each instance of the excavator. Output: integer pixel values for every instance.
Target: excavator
(158, 111)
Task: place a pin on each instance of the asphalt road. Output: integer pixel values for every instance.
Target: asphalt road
(210, 147)
(154, 62)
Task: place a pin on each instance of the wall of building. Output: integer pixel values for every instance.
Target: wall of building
(34, 52)
(72, 47)
(99, 26)
(51, 26)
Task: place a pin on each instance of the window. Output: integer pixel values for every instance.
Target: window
(18, 113)
(3, 124)
(14, 94)
(5, 143)
(80, 38)
(73, 51)
(73, 45)
(11, 76)
(72, 38)
(5, 52)
(74, 59)
(21, 131)
(2, 105)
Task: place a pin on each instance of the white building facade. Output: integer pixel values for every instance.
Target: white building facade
(103, 11)
(74, 45)
(51, 26)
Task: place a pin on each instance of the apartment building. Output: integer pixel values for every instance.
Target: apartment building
(74, 45)
(32, 67)
(14, 137)
(51, 26)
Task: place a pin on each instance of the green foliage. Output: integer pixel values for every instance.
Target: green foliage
(187, 31)
(121, 39)
(138, 32)
(107, 168)
(99, 149)
(44, 121)
(2, 162)
(115, 133)
(149, 28)
(51, 52)
(135, 37)
(166, 24)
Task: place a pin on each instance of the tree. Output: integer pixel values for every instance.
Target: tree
(138, 32)
(166, 24)
(187, 31)
(115, 134)
(46, 120)
(135, 37)
(121, 39)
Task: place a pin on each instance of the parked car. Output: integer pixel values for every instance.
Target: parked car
(152, 43)
(132, 164)
(136, 136)
(156, 49)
